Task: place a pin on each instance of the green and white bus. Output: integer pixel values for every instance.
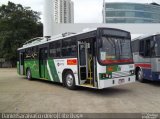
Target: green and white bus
(98, 58)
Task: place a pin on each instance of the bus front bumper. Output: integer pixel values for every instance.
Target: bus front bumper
(116, 81)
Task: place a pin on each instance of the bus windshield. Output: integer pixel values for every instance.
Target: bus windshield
(157, 46)
(115, 50)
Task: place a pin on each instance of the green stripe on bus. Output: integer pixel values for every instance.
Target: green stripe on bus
(47, 74)
(53, 71)
(34, 67)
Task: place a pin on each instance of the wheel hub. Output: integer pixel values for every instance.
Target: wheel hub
(28, 75)
(69, 80)
(140, 75)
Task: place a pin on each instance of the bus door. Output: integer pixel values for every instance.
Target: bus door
(145, 52)
(85, 57)
(42, 62)
(21, 63)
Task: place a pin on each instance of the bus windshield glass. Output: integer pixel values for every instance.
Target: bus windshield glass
(157, 46)
(115, 50)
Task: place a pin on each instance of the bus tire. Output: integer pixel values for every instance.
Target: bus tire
(140, 76)
(29, 74)
(69, 80)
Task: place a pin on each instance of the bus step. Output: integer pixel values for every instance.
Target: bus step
(90, 78)
(87, 85)
(89, 81)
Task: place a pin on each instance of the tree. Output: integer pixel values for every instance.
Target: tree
(17, 25)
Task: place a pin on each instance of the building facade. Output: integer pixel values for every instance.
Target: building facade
(131, 13)
(63, 11)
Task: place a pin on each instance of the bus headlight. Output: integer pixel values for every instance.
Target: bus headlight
(132, 72)
(110, 76)
(104, 76)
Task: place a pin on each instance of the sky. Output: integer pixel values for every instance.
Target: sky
(85, 11)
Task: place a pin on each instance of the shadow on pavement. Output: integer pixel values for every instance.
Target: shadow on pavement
(44, 81)
(106, 92)
(102, 92)
(154, 83)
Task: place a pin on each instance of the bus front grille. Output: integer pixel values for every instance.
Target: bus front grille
(120, 74)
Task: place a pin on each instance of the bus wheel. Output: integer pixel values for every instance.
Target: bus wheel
(140, 76)
(69, 80)
(29, 75)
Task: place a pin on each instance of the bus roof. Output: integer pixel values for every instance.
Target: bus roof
(134, 36)
(144, 36)
(42, 40)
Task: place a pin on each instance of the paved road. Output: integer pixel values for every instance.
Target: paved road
(19, 95)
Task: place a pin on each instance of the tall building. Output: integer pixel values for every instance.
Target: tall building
(63, 11)
(117, 12)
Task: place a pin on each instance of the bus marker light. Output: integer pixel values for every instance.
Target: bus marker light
(110, 69)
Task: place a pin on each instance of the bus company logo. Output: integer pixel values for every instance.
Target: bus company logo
(72, 62)
(60, 64)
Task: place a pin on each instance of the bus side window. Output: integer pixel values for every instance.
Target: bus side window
(142, 48)
(135, 46)
(35, 52)
(55, 49)
(153, 44)
(148, 48)
(45, 54)
(69, 47)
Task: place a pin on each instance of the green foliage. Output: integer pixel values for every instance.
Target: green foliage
(17, 25)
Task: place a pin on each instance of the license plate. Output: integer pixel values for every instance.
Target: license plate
(121, 81)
